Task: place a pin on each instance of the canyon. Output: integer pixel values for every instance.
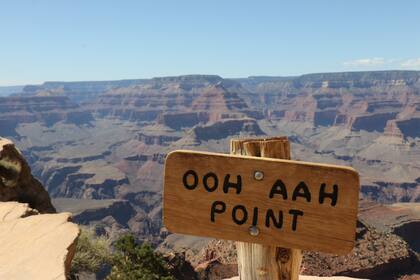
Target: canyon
(99, 147)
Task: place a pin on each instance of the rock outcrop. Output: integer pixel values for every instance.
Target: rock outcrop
(216, 270)
(35, 246)
(376, 254)
(402, 219)
(17, 182)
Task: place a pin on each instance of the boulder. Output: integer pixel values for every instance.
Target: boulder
(17, 182)
(35, 246)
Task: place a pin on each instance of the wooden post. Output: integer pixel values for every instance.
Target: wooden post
(255, 261)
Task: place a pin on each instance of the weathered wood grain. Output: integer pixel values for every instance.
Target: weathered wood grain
(322, 227)
(259, 261)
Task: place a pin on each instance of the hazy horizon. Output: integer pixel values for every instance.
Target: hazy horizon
(200, 74)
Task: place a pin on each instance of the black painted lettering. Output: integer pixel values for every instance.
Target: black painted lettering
(278, 188)
(212, 186)
(255, 216)
(241, 220)
(193, 174)
(333, 196)
(227, 184)
(302, 190)
(218, 207)
(295, 214)
(278, 223)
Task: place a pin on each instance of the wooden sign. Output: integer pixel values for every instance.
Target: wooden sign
(275, 202)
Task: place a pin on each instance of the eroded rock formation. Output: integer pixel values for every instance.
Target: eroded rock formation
(371, 101)
(376, 254)
(17, 182)
(35, 246)
(402, 219)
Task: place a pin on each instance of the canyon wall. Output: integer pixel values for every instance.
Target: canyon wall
(102, 145)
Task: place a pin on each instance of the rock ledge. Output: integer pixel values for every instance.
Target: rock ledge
(35, 246)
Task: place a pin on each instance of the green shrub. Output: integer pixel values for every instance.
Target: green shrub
(133, 261)
(92, 252)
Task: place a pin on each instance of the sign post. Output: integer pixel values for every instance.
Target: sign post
(257, 261)
(273, 207)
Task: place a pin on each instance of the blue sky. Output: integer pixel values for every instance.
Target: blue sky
(105, 40)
